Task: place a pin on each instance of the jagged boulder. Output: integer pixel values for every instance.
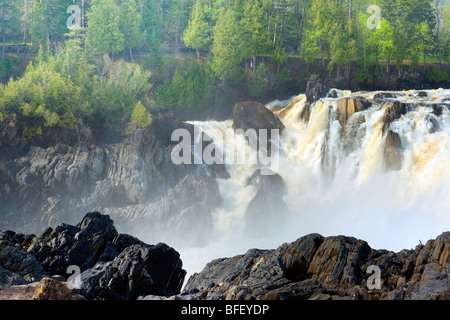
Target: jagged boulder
(17, 266)
(115, 266)
(331, 268)
(254, 115)
(267, 207)
(138, 270)
(315, 90)
(392, 113)
(289, 110)
(392, 151)
(337, 261)
(79, 245)
(384, 95)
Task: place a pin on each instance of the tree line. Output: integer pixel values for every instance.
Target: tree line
(331, 31)
(128, 54)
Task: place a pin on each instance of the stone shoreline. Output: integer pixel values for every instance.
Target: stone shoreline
(121, 267)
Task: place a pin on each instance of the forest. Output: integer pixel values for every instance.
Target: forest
(124, 60)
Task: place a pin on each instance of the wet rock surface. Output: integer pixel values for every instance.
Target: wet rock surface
(331, 268)
(254, 115)
(315, 90)
(117, 266)
(128, 177)
(267, 208)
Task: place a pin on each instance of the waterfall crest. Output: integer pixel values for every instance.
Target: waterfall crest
(373, 165)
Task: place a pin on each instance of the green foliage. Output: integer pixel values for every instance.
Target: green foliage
(104, 33)
(196, 35)
(116, 91)
(257, 83)
(65, 90)
(44, 97)
(131, 24)
(186, 90)
(141, 116)
(436, 75)
(255, 32)
(279, 56)
(283, 77)
(362, 75)
(47, 24)
(227, 49)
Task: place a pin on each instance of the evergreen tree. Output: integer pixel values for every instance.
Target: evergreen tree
(48, 22)
(423, 42)
(103, 33)
(227, 47)
(254, 27)
(153, 25)
(141, 116)
(196, 35)
(319, 25)
(384, 41)
(131, 25)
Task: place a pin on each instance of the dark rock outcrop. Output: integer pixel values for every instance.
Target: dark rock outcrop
(127, 177)
(393, 112)
(183, 215)
(267, 207)
(114, 266)
(138, 270)
(254, 115)
(50, 185)
(384, 95)
(79, 245)
(17, 266)
(392, 151)
(315, 90)
(332, 268)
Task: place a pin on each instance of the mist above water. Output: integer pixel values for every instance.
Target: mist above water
(337, 182)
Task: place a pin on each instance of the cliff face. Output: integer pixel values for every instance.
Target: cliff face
(331, 268)
(132, 179)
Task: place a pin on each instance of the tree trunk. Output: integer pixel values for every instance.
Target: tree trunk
(365, 58)
(32, 22)
(82, 14)
(48, 40)
(322, 55)
(300, 32)
(131, 55)
(424, 63)
(3, 31)
(198, 54)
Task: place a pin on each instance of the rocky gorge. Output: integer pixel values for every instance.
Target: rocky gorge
(136, 195)
(121, 267)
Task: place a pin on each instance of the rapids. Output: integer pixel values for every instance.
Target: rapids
(337, 181)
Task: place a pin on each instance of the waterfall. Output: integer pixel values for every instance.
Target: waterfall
(337, 177)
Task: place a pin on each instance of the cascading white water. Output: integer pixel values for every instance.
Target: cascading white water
(336, 181)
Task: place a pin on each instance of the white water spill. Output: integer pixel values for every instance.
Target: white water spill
(337, 185)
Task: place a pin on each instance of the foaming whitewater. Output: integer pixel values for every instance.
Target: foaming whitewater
(336, 178)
